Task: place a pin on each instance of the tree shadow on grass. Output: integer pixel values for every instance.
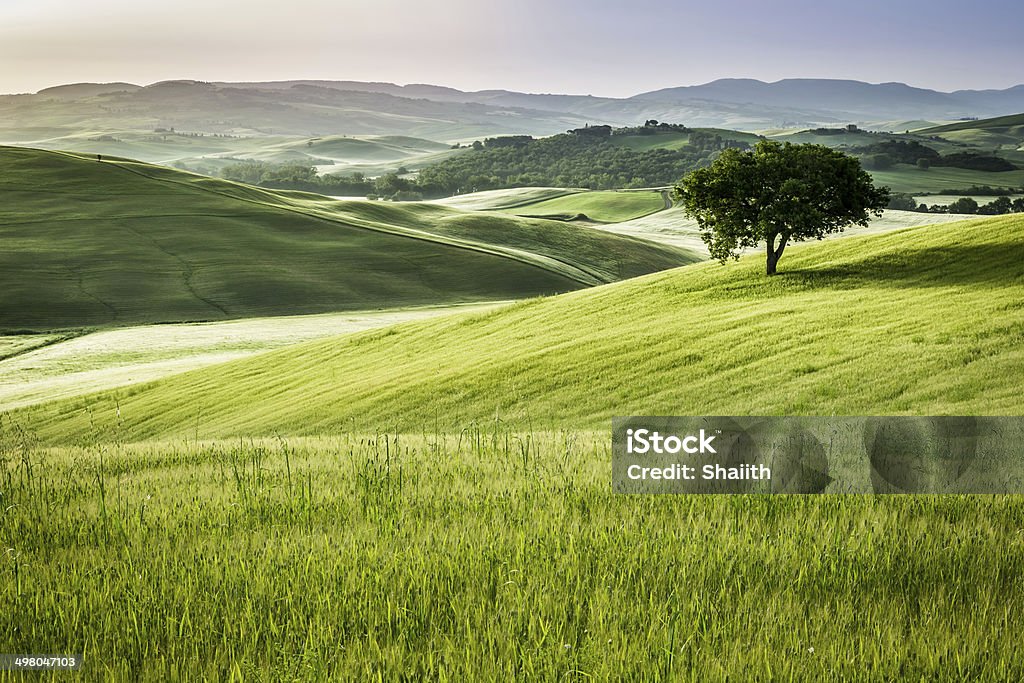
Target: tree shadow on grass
(998, 263)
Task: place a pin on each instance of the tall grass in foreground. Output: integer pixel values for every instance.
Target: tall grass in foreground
(484, 555)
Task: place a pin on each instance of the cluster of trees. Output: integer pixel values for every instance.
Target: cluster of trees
(652, 127)
(707, 142)
(883, 155)
(984, 191)
(587, 157)
(966, 205)
(299, 177)
(996, 207)
(835, 131)
(976, 162)
(295, 176)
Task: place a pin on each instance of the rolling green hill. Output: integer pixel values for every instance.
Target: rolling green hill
(90, 242)
(927, 320)
(1013, 123)
(1004, 135)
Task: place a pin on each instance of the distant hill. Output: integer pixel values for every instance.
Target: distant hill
(116, 242)
(77, 91)
(854, 99)
(839, 94)
(319, 107)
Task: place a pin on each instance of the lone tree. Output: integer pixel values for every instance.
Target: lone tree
(777, 193)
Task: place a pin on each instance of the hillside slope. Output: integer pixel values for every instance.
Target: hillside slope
(90, 242)
(1014, 121)
(927, 320)
(1003, 132)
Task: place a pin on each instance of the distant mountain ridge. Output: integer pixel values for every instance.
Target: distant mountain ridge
(315, 107)
(881, 100)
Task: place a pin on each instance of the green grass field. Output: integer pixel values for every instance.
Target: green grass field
(487, 555)
(830, 335)
(600, 206)
(641, 143)
(119, 242)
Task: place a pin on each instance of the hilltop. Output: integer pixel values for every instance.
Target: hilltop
(117, 242)
(832, 334)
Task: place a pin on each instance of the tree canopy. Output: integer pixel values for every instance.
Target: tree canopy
(777, 193)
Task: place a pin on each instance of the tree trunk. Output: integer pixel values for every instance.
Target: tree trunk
(774, 253)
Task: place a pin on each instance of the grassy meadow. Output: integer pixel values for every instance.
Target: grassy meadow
(484, 555)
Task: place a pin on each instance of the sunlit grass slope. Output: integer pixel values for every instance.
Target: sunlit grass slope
(605, 207)
(927, 320)
(90, 242)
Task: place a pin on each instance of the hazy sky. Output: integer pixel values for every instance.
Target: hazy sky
(600, 47)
